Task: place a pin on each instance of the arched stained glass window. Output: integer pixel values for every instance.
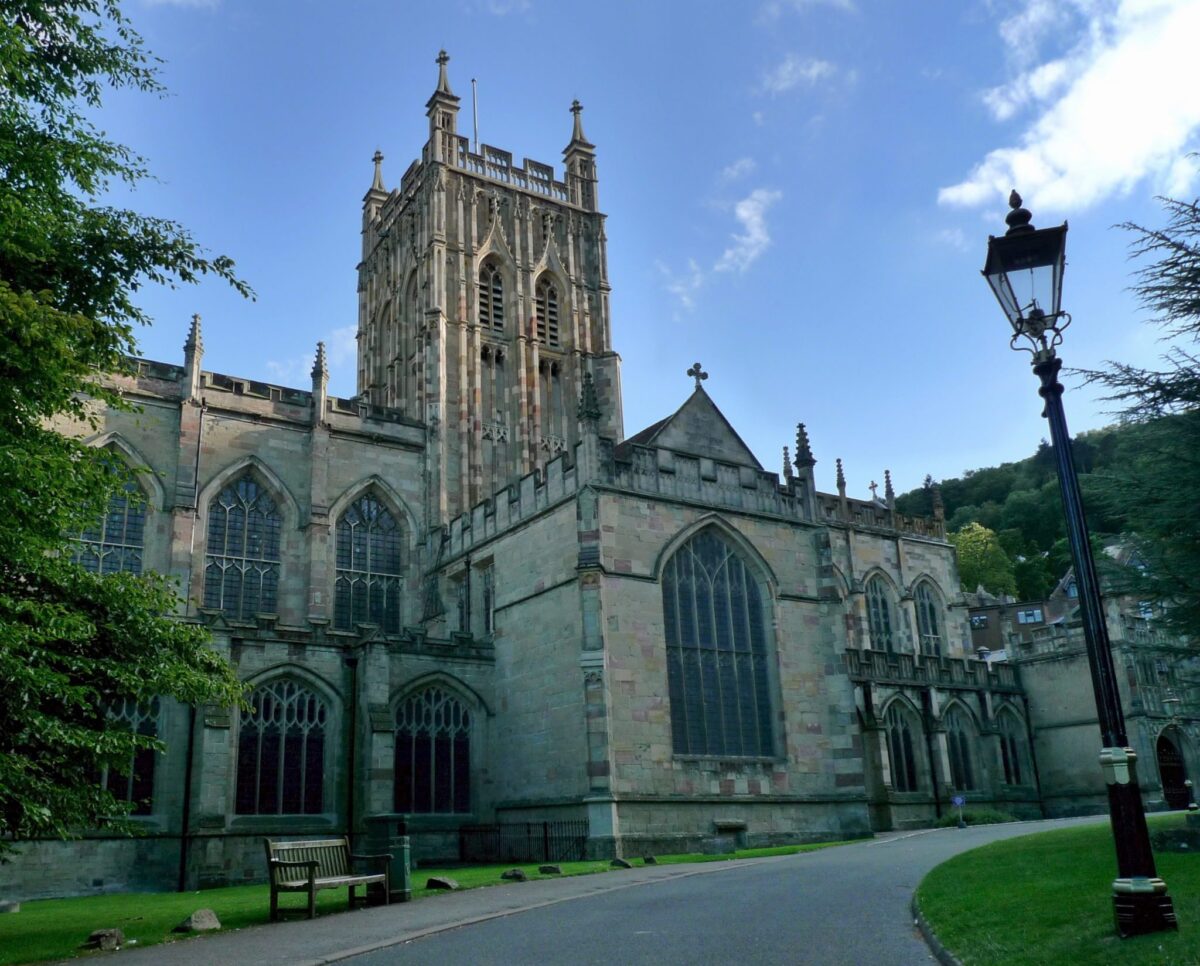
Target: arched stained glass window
(369, 548)
(134, 781)
(547, 312)
(114, 544)
(281, 751)
(433, 754)
(959, 734)
(928, 620)
(1012, 738)
(901, 729)
(879, 615)
(241, 573)
(716, 652)
(491, 297)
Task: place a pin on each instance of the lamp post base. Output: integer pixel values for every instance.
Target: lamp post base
(1142, 906)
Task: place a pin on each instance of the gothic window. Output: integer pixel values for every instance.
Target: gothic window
(928, 620)
(114, 543)
(487, 578)
(879, 615)
(716, 651)
(491, 297)
(547, 312)
(133, 782)
(241, 573)
(281, 751)
(958, 740)
(433, 754)
(369, 546)
(900, 731)
(1011, 739)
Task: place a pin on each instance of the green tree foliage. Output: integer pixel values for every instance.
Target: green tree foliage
(73, 644)
(983, 561)
(1153, 494)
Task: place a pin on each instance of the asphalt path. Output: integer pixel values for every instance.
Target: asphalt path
(849, 904)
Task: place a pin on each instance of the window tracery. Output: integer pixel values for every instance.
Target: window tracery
(433, 754)
(547, 312)
(716, 651)
(1011, 740)
(281, 751)
(928, 621)
(241, 573)
(367, 586)
(959, 739)
(900, 729)
(134, 783)
(879, 616)
(491, 297)
(114, 544)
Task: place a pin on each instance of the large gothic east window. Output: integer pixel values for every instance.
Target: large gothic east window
(717, 651)
(281, 751)
(433, 754)
(241, 571)
(367, 587)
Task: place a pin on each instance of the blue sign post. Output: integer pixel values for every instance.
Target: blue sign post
(959, 801)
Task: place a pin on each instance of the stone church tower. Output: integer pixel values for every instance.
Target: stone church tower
(483, 299)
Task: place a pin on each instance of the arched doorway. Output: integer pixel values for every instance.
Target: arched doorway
(1172, 773)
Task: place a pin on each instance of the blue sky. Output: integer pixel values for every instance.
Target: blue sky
(799, 192)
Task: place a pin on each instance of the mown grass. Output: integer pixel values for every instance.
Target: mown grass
(1046, 898)
(54, 928)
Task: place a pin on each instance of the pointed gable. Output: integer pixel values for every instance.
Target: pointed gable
(698, 427)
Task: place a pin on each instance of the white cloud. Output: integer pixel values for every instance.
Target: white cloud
(754, 239)
(773, 9)
(955, 238)
(502, 8)
(738, 169)
(758, 118)
(1117, 107)
(341, 347)
(794, 71)
(685, 285)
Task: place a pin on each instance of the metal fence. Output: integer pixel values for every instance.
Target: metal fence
(524, 842)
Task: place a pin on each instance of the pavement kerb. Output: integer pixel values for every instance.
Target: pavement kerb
(942, 954)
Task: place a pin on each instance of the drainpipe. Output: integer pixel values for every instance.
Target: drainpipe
(185, 816)
(351, 662)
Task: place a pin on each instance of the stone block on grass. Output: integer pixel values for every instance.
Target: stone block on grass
(202, 920)
(513, 875)
(106, 939)
(441, 882)
(549, 870)
(621, 864)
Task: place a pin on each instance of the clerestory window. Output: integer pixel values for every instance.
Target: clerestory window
(368, 583)
(281, 751)
(241, 573)
(929, 625)
(433, 754)
(717, 648)
(879, 616)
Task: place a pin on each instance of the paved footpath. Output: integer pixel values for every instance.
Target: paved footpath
(841, 905)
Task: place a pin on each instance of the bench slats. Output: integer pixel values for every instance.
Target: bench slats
(315, 864)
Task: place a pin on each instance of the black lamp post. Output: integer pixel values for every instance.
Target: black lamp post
(1025, 269)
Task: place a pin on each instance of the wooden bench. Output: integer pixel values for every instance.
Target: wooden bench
(320, 864)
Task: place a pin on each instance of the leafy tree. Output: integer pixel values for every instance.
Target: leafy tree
(1154, 494)
(982, 561)
(72, 643)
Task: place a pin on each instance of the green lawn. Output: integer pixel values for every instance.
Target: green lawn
(1046, 898)
(54, 928)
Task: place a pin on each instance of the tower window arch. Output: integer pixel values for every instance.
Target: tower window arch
(114, 543)
(281, 751)
(901, 734)
(241, 572)
(929, 623)
(959, 739)
(491, 297)
(716, 639)
(368, 579)
(547, 311)
(879, 616)
(433, 753)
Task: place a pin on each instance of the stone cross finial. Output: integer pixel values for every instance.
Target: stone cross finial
(697, 373)
(873, 487)
(443, 59)
(377, 184)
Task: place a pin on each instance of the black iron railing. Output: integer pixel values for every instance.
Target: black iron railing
(524, 842)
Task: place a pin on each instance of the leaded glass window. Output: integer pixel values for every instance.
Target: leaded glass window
(133, 781)
(900, 729)
(369, 548)
(928, 621)
(281, 751)
(433, 754)
(958, 739)
(716, 652)
(241, 573)
(879, 615)
(1011, 739)
(547, 312)
(491, 297)
(114, 543)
